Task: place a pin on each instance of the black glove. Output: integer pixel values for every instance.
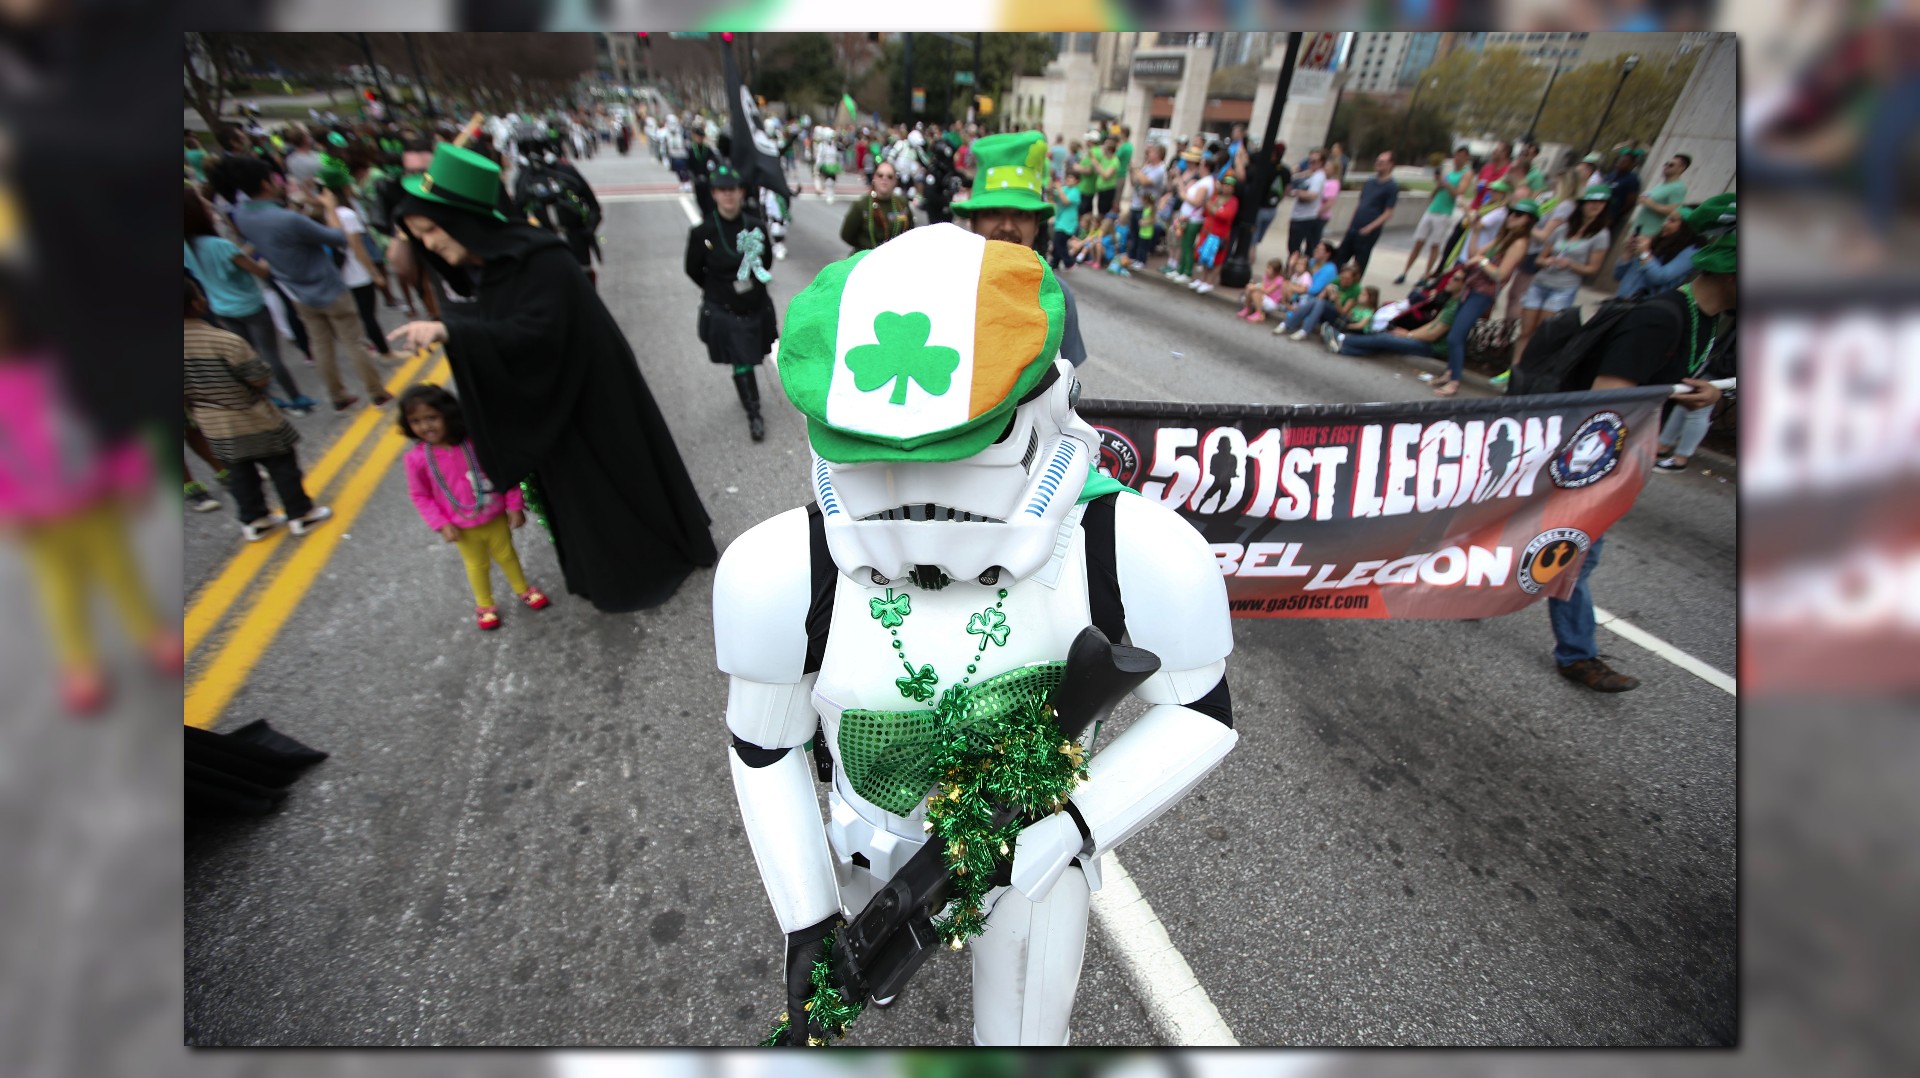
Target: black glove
(804, 948)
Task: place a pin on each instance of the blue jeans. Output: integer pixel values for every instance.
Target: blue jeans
(1572, 617)
(1893, 124)
(1371, 343)
(1262, 221)
(1473, 307)
(1309, 315)
(1684, 429)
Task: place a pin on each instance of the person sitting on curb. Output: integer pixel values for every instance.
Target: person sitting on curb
(1427, 340)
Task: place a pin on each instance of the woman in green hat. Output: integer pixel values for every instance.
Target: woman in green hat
(552, 392)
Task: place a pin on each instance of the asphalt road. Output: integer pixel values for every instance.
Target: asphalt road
(529, 838)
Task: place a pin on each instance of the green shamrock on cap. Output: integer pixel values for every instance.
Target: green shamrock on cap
(902, 354)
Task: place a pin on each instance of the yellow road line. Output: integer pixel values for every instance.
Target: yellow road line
(209, 695)
(211, 605)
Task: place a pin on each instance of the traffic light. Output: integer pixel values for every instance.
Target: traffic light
(646, 42)
(726, 36)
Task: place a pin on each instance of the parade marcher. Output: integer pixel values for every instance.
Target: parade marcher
(1009, 203)
(826, 162)
(457, 500)
(552, 392)
(701, 160)
(920, 452)
(1683, 336)
(729, 257)
(553, 195)
(675, 144)
(880, 215)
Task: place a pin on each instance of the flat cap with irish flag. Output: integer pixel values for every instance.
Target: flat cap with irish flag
(919, 348)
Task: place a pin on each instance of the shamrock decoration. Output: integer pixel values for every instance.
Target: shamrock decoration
(917, 686)
(752, 245)
(892, 610)
(989, 624)
(902, 354)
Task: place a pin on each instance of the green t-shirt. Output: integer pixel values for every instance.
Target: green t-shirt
(1447, 314)
(1126, 159)
(1101, 159)
(194, 159)
(1537, 179)
(1359, 316)
(1443, 197)
(1646, 222)
(1350, 293)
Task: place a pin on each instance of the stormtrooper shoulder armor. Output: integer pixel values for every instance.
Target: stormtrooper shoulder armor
(1174, 596)
(761, 591)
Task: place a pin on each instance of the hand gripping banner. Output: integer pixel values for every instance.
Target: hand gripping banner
(1440, 509)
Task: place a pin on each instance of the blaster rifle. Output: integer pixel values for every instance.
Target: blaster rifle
(879, 951)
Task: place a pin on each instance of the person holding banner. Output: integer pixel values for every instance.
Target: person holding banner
(1669, 339)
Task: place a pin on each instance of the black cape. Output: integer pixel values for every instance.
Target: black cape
(552, 392)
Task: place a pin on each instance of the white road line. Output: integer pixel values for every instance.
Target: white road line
(644, 196)
(1180, 1009)
(1636, 635)
(692, 211)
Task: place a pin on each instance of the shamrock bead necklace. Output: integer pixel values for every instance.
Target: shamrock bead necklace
(990, 625)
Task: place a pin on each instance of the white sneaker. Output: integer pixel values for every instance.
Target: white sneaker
(1298, 335)
(1281, 329)
(780, 252)
(1193, 284)
(262, 528)
(1182, 278)
(1205, 287)
(1335, 342)
(318, 515)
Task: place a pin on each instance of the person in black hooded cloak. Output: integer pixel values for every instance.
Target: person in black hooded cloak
(551, 391)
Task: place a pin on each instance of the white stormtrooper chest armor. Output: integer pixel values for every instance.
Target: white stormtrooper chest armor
(860, 667)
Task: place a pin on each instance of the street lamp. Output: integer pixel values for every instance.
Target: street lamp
(1535, 122)
(1626, 68)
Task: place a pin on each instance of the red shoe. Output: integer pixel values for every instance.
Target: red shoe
(83, 692)
(489, 618)
(167, 652)
(534, 598)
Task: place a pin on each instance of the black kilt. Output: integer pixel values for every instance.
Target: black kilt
(738, 340)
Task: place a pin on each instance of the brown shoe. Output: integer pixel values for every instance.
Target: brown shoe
(1598, 676)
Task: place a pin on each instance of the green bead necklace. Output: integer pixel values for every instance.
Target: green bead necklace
(990, 625)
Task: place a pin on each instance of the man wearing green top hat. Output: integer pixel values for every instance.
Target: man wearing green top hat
(551, 391)
(1009, 202)
(1681, 337)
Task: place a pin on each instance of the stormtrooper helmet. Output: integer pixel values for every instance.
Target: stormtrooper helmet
(941, 416)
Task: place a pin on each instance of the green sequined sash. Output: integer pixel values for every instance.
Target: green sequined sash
(888, 755)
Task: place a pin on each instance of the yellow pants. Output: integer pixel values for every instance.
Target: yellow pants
(490, 542)
(67, 558)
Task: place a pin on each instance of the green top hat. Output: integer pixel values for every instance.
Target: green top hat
(460, 178)
(1715, 215)
(1010, 173)
(1599, 192)
(333, 172)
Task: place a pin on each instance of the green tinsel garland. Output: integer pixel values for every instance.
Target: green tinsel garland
(825, 1007)
(1020, 761)
(536, 505)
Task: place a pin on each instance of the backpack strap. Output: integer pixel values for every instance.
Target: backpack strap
(1103, 576)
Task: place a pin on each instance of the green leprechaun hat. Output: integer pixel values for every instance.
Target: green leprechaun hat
(920, 348)
(460, 178)
(1010, 173)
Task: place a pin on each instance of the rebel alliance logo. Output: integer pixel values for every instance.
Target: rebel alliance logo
(1591, 454)
(1549, 555)
(1119, 459)
(751, 110)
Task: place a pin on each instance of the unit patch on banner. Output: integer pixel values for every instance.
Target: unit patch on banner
(1550, 553)
(1592, 452)
(1119, 458)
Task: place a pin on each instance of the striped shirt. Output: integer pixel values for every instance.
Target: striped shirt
(240, 422)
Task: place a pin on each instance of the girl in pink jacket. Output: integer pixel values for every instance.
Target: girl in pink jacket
(64, 497)
(457, 500)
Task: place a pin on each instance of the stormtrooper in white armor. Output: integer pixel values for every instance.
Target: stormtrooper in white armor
(950, 470)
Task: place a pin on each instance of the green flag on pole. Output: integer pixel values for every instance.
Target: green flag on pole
(846, 102)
